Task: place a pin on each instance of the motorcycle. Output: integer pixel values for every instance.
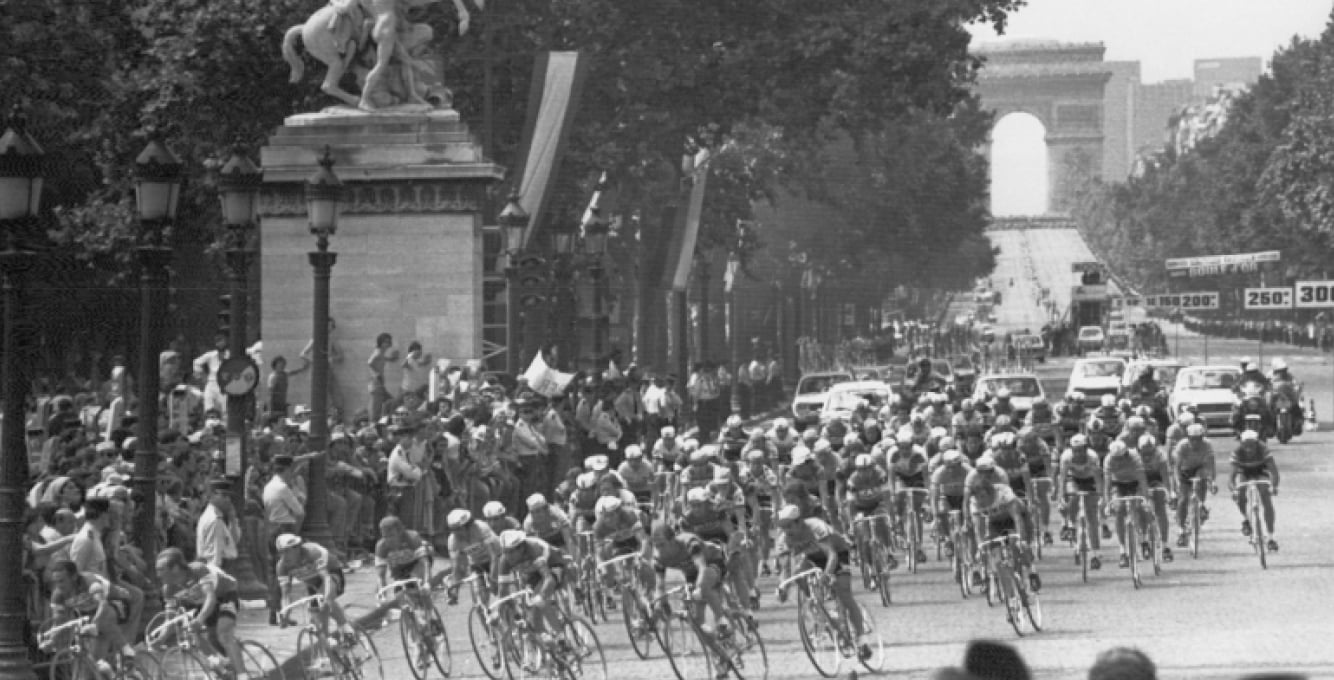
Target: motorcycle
(1253, 413)
(1284, 402)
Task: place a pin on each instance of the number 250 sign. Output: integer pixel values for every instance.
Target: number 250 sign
(1313, 294)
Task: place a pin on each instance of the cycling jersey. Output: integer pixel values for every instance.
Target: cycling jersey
(86, 595)
(1251, 459)
(802, 538)
(1155, 465)
(1191, 455)
(638, 476)
(311, 560)
(477, 543)
(696, 476)
(707, 523)
(1037, 458)
(943, 417)
(1001, 502)
(524, 563)
(667, 452)
(761, 486)
(202, 579)
(402, 555)
(867, 488)
(950, 481)
(678, 554)
(809, 476)
(618, 525)
(548, 524)
(908, 464)
(964, 422)
(1086, 469)
(1123, 468)
(583, 504)
(783, 443)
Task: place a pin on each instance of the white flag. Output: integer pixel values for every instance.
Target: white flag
(545, 380)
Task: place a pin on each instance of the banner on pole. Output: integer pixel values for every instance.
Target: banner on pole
(544, 379)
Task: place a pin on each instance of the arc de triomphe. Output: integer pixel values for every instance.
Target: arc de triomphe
(1062, 85)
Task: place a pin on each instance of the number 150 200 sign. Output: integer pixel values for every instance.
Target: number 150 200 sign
(1188, 300)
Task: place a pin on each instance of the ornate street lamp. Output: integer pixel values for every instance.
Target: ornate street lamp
(21, 170)
(513, 221)
(158, 175)
(562, 240)
(324, 197)
(238, 189)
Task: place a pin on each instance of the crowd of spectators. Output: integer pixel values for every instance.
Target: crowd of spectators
(1312, 334)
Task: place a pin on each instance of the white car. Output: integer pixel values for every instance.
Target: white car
(1097, 376)
(1091, 339)
(1209, 388)
(1023, 387)
(843, 398)
(809, 397)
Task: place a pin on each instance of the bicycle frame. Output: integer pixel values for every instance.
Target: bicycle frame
(1255, 513)
(1135, 513)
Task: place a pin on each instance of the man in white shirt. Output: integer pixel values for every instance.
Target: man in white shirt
(206, 366)
(759, 381)
(417, 371)
(218, 533)
(530, 447)
(284, 511)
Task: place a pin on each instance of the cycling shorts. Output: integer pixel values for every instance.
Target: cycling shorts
(556, 562)
(1038, 469)
(626, 546)
(482, 569)
(1000, 525)
(917, 481)
(1154, 479)
(556, 540)
(1018, 486)
(644, 497)
(1077, 484)
(227, 607)
(1124, 489)
(865, 507)
(1251, 474)
(315, 586)
(945, 504)
(402, 572)
(819, 560)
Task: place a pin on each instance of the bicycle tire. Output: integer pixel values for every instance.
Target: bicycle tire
(1132, 544)
(167, 641)
(67, 665)
(1029, 601)
(1082, 547)
(589, 660)
(417, 653)
(441, 643)
(914, 539)
(1156, 548)
(486, 646)
(1195, 526)
(633, 614)
(879, 648)
(146, 666)
(1258, 531)
(817, 628)
(366, 660)
(682, 645)
(881, 568)
(259, 662)
(864, 551)
(183, 664)
(752, 662)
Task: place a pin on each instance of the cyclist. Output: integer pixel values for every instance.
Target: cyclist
(727, 497)
(806, 472)
(530, 562)
(829, 461)
(698, 474)
(732, 439)
(1080, 470)
(759, 486)
(611, 485)
(583, 502)
(1176, 432)
(498, 518)
(1157, 473)
(872, 433)
(1005, 452)
(548, 522)
(996, 512)
(783, 439)
(868, 494)
(620, 532)
(1192, 458)
(1124, 473)
(815, 543)
(474, 547)
(210, 593)
(1286, 385)
(1002, 425)
(1071, 413)
(75, 594)
(966, 418)
(1251, 461)
(759, 441)
(321, 572)
(702, 519)
(702, 563)
(1043, 418)
(638, 476)
(907, 468)
(1134, 429)
(947, 484)
(1099, 439)
(401, 554)
(938, 412)
(1041, 464)
(1001, 405)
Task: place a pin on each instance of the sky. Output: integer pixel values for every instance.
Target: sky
(1167, 36)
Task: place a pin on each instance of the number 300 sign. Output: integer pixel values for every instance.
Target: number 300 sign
(1313, 294)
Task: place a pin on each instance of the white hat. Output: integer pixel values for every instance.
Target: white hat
(493, 510)
(634, 451)
(789, 513)
(697, 495)
(1250, 436)
(586, 480)
(511, 539)
(537, 501)
(285, 541)
(457, 518)
(608, 504)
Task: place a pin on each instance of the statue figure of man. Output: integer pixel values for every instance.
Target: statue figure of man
(391, 32)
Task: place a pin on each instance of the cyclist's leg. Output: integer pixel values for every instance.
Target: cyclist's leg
(1043, 489)
(1120, 511)
(1267, 500)
(1160, 512)
(333, 587)
(1183, 505)
(225, 630)
(708, 587)
(109, 631)
(1091, 511)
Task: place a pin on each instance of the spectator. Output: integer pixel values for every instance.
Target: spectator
(987, 660)
(218, 532)
(417, 371)
(278, 379)
(335, 357)
(205, 367)
(384, 353)
(87, 551)
(1123, 663)
(531, 450)
(284, 512)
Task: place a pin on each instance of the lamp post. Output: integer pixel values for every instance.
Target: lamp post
(563, 311)
(596, 230)
(324, 193)
(21, 162)
(513, 220)
(157, 192)
(238, 189)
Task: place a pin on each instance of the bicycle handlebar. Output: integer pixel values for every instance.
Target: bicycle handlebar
(602, 566)
(1007, 538)
(1255, 482)
(156, 635)
(1129, 499)
(317, 600)
(813, 571)
(523, 594)
(397, 587)
(47, 638)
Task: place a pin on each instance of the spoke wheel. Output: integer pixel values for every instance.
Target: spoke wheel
(1014, 610)
(167, 641)
(875, 638)
(1156, 547)
(486, 645)
(586, 659)
(1195, 526)
(414, 646)
(364, 657)
(439, 643)
(684, 649)
(1258, 532)
(881, 568)
(747, 655)
(178, 663)
(1083, 554)
(818, 635)
(1032, 605)
(637, 626)
(259, 662)
(1132, 550)
(66, 665)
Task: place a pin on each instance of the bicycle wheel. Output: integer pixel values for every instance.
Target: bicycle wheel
(364, 657)
(486, 645)
(682, 645)
(819, 635)
(1082, 554)
(586, 659)
(881, 569)
(745, 651)
(317, 662)
(438, 638)
(914, 529)
(145, 666)
(179, 663)
(1156, 548)
(1014, 609)
(1032, 605)
(66, 665)
(414, 645)
(259, 662)
(1195, 507)
(1132, 543)
(167, 641)
(865, 563)
(876, 662)
(1258, 533)
(636, 623)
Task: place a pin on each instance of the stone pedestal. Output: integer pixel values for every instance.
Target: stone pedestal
(409, 243)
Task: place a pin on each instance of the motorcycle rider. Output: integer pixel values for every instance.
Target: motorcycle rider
(1283, 383)
(927, 380)
(1145, 389)
(1071, 413)
(1253, 401)
(1252, 373)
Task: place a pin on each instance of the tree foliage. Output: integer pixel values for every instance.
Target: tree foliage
(1265, 181)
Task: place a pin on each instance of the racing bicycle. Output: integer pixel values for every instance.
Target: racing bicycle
(420, 627)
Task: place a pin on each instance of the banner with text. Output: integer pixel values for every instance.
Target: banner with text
(1197, 301)
(1218, 265)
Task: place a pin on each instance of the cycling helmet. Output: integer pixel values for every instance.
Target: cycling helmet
(870, 424)
(1117, 446)
(511, 539)
(609, 504)
(1135, 421)
(1279, 365)
(1148, 441)
(1108, 401)
(966, 405)
(1002, 421)
(1003, 393)
(700, 456)
(923, 399)
(945, 443)
(1185, 417)
(587, 480)
(800, 454)
(634, 451)
(863, 461)
(1078, 440)
(733, 422)
(1246, 365)
(1123, 405)
(1144, 411)
(757, 435)
(755, 456)
(918, 418)
(788, 515)
(537, 501)
(1250, 436)
(904, 439)
(986, 463)
(690, 445)
(1028, 435)
(493, 510)
(697, 495)
(851, 439)
(1096, 425)
(285, 541)
(1195, 430)
(938, 398)
(952, 457)
(782, 424)
(939, 432)
(668, 432)
(822, 446)
(809, 435)
(597, 463)
(1078, 396)
(457, 518)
